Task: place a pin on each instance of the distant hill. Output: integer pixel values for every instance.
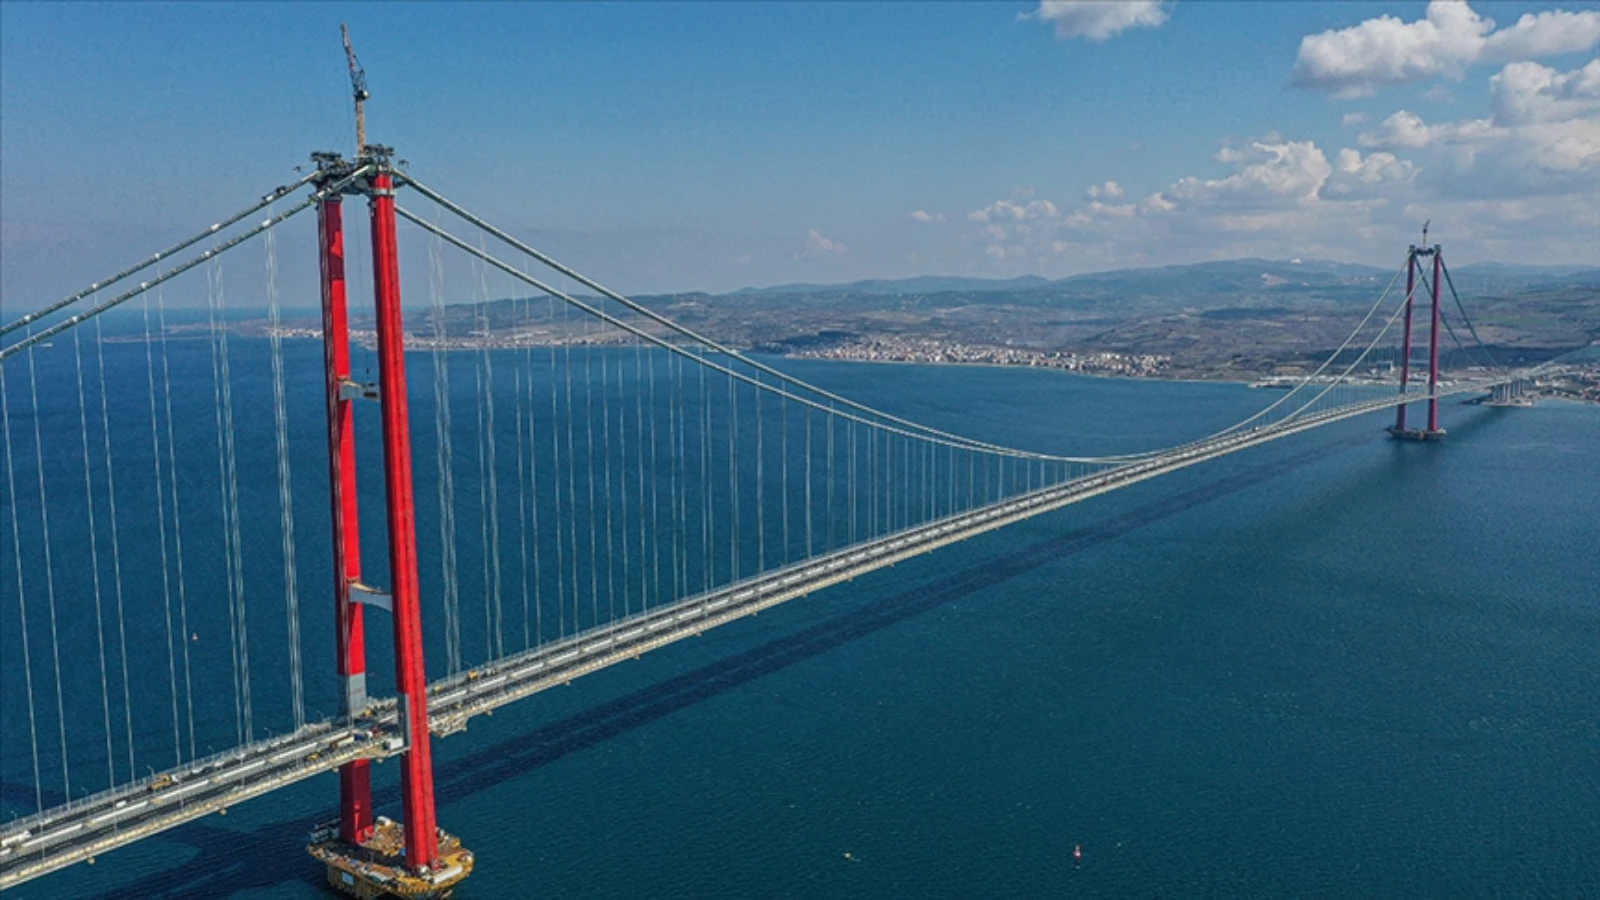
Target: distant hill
(1229, 318)
(1228, 276)
(921, 284)
(1224, 276)
(1499, 268)
(1501, 278)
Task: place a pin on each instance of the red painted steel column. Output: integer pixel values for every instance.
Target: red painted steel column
(1405, 358)
(1433, 343)
(355, 778)
(416, 774)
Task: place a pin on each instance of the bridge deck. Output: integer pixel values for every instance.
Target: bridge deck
(85, 828)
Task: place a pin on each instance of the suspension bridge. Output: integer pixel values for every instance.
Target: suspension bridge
(601, 481)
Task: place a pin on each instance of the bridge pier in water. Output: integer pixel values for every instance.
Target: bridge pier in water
(369, 857)
(1513, 393)
(1432, 432)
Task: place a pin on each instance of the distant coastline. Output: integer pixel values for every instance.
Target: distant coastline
(1579, 382)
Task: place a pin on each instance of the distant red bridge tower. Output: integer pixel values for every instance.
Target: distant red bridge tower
(1399, 430)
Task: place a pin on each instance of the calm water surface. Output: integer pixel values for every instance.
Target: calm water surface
(1334, 667)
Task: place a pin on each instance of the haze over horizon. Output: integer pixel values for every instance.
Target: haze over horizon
(668, 148)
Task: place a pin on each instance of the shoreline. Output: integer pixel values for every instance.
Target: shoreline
(1056, 370)
(425, 344)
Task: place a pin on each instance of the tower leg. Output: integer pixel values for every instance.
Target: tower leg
(416, 774)
(1405, 355)
(355, 791)
(1433, 345)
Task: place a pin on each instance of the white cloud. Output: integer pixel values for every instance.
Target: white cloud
(1009, 210)
(1374, 175)
(818, 246)
(1526, 92)
(1355, 118)
(1516, 184)
(1158, 204)
(1291, 171)
(1096, 212)
(1375, 168)
(1356, 61)
(1109, 189)
(1403, 130)
(922, 215)
(1099, 20)
(1543, 134)
(1278, 192)
(1544, 34)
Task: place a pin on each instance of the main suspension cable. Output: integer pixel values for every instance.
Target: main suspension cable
(1450, 282)
(336, 187)
(702, 359)
(916, 429)
(275, 195)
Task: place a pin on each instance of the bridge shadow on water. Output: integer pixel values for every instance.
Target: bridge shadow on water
(229, 861)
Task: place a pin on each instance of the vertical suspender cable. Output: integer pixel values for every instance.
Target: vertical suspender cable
(761, 503)
(648, 469)
(572, 477)
(280, 408)
(555, 463)
(161, 529)
(622, 486)
(681, 445)
(809, 546)
(533, 478)
(522, 490)
(22, 598)
(228, 467)
(94, 560)
(589, 445)
(783, 471)
(677, 528)
(605, 456)
(480, 325)
(177, 520)
(488, 526)
(116, 546)
(444, 448)
(222, 489)
(831, 484)
(653, 538)
(733, 475)
(493, 548)
(49, 572)
(708, 526)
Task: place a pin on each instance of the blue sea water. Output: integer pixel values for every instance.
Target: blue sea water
(1332, 667)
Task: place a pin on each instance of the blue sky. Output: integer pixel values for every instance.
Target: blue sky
(711, 146)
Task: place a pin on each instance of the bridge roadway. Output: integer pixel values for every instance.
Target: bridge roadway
(85, 828)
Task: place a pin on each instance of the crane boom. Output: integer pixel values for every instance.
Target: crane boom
(358, 87)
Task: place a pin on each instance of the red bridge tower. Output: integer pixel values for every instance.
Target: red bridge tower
(1433, 432)
(368, 856)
